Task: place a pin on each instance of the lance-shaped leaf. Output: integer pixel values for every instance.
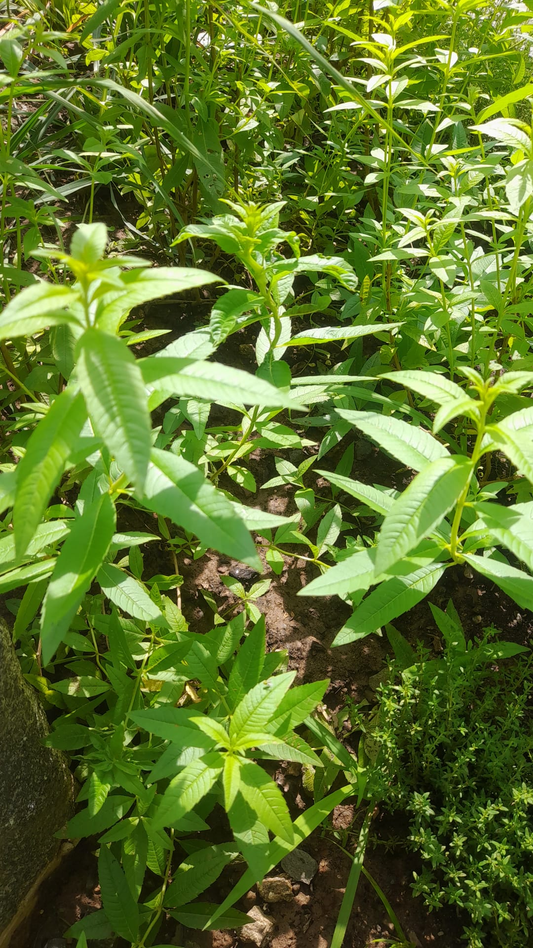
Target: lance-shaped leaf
(376, 498)
(120, 907)
(333, 333)
(172, 724)
(128, 594)
(297, 704)
(436, 387)
(519, 421)
(81, 556)
(178, 490)
(45, 534)
(391, 599)
(197, 873)
(231, 780)
(517, 584)
(116, 401)
(35, 308)
(188, 788)
(246, 669)
(351, 575)
(26, 574)
(210, 380)
(517, 445)
(265, 799)
(408, 444)
(198, 915)
(148, 284)
(42, 465)
(510, 526)
(259, 705)
(421, 507)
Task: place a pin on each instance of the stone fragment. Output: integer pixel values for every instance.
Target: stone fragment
(275, 889)
(36, 791)
(300, 866)
(259, 931)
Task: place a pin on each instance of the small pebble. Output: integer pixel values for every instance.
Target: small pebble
(276, 889)
(300, 866)
(259, 930)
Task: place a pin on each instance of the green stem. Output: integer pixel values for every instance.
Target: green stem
(476, 453)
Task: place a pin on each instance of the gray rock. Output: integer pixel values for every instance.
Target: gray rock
(259, 931)
(36, 790)
(300, 866)
(275, 889)
(56, 943)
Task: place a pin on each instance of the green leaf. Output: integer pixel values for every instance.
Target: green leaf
(413, 446)
(46, 534)
(259, 705)
(81, 556)
(95, 925)
(355, 573)
(352, 883)
(436, 387)
(391, 599)
(265, 799)
(104, 11)
(88, 243)
(377, 499)
(444, 267)
(227, 309)
(213, 729)
(114, 808)
(510, 132)
(503, 102)
(333, 333)
(467, 406)
(519, 185)
(421, 507)
(270, 855)
(197, 873)
(297, 704)
(210, 167)
(82, 686)
(212, 381)
(188, 788)
(198, 915)
(146, 284)
(36, 308)
(178, 490)
(11, 54)
(120, 907)
(116, 401)
(127, 594)
(517, 584)
(231, 780)
(516, 444)
(172, 724)
(519, 421)
(42, 465)
(292, 748)
(246, 669)
(26, 574)
(510, 526)
(329, 528)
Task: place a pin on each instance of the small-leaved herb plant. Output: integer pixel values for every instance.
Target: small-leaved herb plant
(451, 741)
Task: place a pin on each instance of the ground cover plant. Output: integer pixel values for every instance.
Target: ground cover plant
(338, 197)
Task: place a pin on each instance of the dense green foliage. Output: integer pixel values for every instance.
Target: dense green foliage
(358, 192)
(453, 740)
